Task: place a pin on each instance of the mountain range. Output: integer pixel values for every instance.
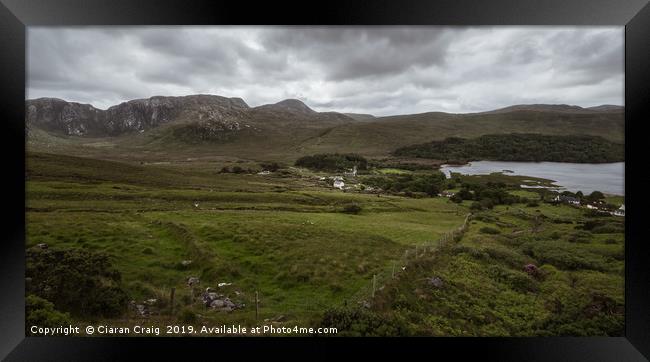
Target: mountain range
(292, 127)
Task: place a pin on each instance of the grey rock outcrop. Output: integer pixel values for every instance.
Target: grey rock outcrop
(56, 115)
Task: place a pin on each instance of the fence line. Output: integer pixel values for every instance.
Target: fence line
(378, 281)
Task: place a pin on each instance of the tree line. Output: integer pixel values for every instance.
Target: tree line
(522, 147)
(333, 162)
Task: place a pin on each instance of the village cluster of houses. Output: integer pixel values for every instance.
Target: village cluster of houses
(592, 206)
(565, 199)
(339, 183)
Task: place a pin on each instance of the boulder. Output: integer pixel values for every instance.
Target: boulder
(217, 303)
(192, 281)
(228, 303)
(142, 310)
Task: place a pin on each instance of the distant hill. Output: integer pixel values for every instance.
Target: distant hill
(289, 105)
(385, 134)
(607, 108)
(361, 116)
(561, 108)
(285, 130)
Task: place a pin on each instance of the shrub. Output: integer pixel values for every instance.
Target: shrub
(352, 209)
(476, 206)
(359, 322)
(532, 203)
(40, 312)
(518, 281)
(608, 229)
(489, 230)
(76, 281)
(270, 166)
(564, 256)
(187, 316)
(505, 255)
(583, 237)
(457, 199)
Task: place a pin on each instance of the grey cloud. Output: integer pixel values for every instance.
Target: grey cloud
(379, 70)
(358, 52)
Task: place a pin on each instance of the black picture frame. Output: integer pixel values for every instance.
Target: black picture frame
(16, 15)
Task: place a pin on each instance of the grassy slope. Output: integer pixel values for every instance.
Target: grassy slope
(389, 133)
(282, 140)
(486, 292)
(280, 236)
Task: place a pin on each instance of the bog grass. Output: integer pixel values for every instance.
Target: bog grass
(279, 236)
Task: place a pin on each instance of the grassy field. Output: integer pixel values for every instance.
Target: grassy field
(577, 289)
(281, 235)
(288, 237)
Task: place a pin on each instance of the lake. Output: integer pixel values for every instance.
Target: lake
(608, 178)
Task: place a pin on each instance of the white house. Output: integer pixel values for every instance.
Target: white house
(446, 194)
(567, 199)
(620, 211)
(339, 184)
(353, 172)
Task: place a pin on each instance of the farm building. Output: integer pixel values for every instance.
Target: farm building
(620, 211)
(567, 199)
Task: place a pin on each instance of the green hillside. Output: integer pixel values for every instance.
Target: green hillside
(280, 138)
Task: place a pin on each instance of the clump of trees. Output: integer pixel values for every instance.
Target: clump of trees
(79, 282)
(236, 169)
(519, 147)
(270, 166)
(402, 165)
(429, 184)
(486, 196)
(333, 162)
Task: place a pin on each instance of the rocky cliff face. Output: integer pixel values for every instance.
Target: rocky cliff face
(70, 118)
(57, 115)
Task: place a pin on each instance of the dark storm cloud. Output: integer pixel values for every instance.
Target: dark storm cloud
(379, 70)
(351, 53)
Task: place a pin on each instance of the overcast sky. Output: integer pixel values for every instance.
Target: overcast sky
(377, 70)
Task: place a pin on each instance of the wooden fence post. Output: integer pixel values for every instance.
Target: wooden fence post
(374, 284)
